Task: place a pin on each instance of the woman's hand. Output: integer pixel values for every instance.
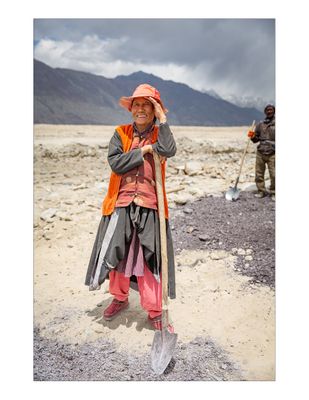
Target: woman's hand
(159, 113)
(147, 149)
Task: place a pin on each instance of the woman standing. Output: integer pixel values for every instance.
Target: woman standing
(127, 245)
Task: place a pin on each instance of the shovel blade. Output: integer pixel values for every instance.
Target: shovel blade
(232, 194)
(162, 350)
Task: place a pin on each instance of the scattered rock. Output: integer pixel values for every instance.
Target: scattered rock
(196, 191)
(241, 252)
(204, 238)
(46, 236)
(193, 167)
(81, 186)
(179, 168)
(181, 199)
(63, 216)
(48, 214)
(218, 255)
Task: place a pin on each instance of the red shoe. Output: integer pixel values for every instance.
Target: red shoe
(115, 308)
(156, 323)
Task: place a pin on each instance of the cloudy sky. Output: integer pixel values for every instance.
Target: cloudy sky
(233, 57)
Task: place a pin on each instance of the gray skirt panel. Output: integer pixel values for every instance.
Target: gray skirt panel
(113, 240)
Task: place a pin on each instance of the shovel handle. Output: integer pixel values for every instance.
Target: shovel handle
(243, 154)
(163, 240)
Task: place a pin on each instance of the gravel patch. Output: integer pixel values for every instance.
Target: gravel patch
(199, 360)
(245, 227)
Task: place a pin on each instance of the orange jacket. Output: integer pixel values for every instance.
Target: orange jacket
(126, 135)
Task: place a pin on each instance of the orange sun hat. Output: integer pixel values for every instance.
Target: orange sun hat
(143, 90)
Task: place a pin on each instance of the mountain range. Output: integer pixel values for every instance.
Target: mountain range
(66, 96)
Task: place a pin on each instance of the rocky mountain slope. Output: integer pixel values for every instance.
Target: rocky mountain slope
(64, 96)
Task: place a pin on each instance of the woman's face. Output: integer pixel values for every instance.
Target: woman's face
(142, 112)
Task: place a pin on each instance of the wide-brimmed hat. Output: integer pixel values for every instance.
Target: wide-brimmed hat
(143, 90)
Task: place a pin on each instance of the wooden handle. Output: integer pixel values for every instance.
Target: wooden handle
(163, 241)
(244, 153)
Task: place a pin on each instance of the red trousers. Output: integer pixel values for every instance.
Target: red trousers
(149, 289)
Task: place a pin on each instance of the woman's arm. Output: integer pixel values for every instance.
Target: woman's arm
(165, 145)
(119, 161)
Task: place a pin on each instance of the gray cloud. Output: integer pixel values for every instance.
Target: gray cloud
(234, 57)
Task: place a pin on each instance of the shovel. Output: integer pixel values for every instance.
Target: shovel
(233, 193)
(164, 342)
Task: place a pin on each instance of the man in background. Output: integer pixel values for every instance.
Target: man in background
(264, 134)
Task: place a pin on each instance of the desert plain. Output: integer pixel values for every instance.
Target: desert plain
(219, 312)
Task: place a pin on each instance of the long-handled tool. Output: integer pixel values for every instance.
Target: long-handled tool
(164, 342)
(233, 193)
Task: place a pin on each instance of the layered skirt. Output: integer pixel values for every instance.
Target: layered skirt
(124, 240)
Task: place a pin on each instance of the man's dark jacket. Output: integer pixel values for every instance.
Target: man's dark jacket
(265, 135)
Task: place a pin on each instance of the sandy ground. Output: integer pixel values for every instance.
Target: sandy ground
(213, 301)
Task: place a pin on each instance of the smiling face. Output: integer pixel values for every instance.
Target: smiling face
(142, 112)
